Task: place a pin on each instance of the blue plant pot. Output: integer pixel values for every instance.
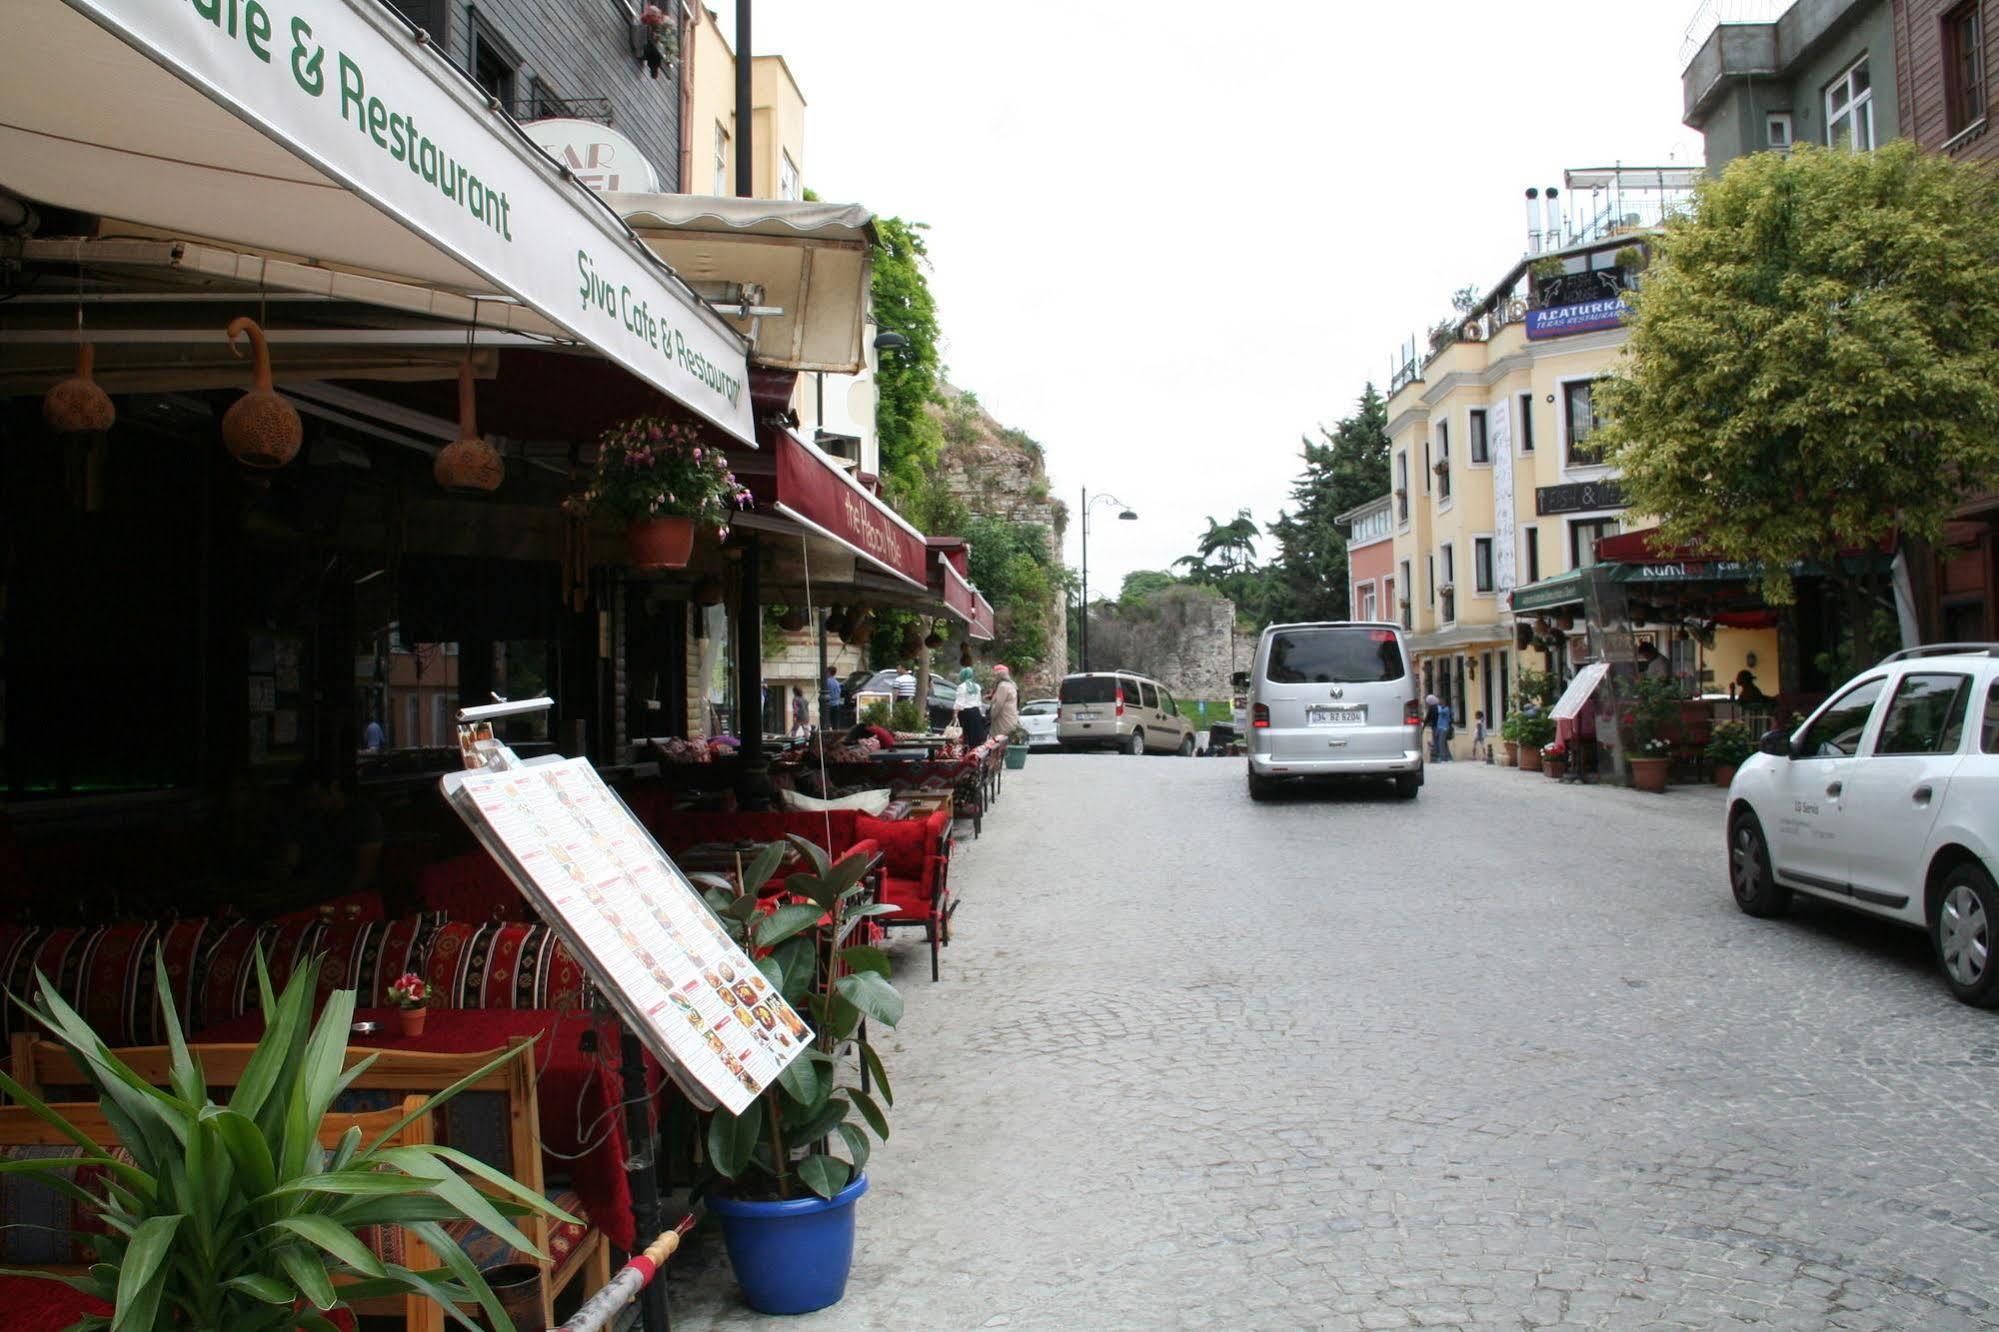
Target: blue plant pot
(791, 1257)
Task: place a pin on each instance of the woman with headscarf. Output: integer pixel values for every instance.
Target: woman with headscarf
(1004, 715)
(969, 708)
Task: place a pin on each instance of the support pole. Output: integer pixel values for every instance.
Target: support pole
(745, 112)
(641, 1170)
(753, 785)
(1083, 618)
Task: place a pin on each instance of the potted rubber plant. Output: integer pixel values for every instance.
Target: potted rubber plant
(655, 476)
(792, 1166)
(231, 1215)
(1653, 707)
(1509, 737)
(1535, 732)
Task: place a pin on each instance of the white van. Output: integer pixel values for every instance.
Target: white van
(1334, 700)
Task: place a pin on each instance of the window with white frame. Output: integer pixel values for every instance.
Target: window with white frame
(1443, 460)
(721, 160)
(1367, 602)
(788, 186)
(1402, 487)
(1449, 591)
(1579, 418)
(1372, 526)
(1849, 109)
(1481, 564)
(1479, 439)
(1777, 130)
(1430, 576)
(1526, 431)
(1405, 583)
(1426, 467)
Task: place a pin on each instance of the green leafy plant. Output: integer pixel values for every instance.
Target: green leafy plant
(877, 714)
(1652, 705)
(907, 717)
(655, 468)
(1730, 744)
(233, 1216)
(1536, 687)
(1509, 730)
(777, 1145)
(1536, 731)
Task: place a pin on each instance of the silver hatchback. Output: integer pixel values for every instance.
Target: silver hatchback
(1333, 700)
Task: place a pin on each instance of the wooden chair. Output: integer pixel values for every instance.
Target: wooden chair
(21, 1127)
(497, 1116)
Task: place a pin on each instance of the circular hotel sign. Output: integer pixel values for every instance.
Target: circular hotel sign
(603, 159)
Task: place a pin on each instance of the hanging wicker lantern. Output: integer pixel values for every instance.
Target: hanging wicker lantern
(77, 405)
(260, 429)
(933, 639)
(965, 652)
(835, 617)
(792, 620)
(708, 591)
(911, 644)
(468, 463)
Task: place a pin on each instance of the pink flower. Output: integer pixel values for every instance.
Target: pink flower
(697, 453)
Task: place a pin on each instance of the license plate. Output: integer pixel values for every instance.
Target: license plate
(1335, 716)
(1086, 715)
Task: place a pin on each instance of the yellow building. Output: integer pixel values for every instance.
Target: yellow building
(1496, 490)
(777, 139)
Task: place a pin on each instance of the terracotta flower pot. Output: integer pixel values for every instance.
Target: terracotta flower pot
(1724, 773)
(660, 543)
(1530, 759)
(1512, 759)
(1649, 774)
(1553, 767)
(412, 1020)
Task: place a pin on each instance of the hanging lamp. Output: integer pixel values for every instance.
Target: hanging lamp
(792, 620)
(260, 429)
(77, 405)
(468, 464)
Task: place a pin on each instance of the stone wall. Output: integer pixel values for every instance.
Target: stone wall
(1001, 473)
(1184, 637)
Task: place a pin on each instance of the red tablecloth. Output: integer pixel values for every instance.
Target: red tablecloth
(566, 1076)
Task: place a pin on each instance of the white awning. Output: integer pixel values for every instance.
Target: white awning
(338, 139)
(807, 265)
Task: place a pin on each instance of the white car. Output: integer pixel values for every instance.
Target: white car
(1037, 718)
(1887, 801)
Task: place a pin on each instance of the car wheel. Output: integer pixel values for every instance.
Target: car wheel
(1261, 788)
(1135, 745)
(1750, 875)
(1187, 747)
(1408, 784)
(1963, 933)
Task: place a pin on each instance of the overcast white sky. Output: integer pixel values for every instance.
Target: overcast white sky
(1169, 238)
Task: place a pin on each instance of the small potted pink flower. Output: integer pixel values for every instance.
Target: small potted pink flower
(411, 996)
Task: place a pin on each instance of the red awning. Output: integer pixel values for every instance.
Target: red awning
(1646, 546)
(963, 600)
(814, 492)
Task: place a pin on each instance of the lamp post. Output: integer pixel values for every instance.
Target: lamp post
(1083, 621)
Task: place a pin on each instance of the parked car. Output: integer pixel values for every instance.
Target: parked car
(1886, 801)
(1333, 700)
(1122, 711)
(1038, 718)
(881, 684)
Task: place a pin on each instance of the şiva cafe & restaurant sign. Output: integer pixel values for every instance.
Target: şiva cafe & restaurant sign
(343, 86)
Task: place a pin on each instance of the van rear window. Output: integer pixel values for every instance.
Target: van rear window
(1334, 656)
(1089, 689)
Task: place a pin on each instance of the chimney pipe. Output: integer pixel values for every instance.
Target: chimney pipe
(1551, 233)
(1533, 220)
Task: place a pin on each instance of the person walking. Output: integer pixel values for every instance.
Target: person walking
(968, 707)
(905, 682)
(1442, 731)
(1479, 746)
(801, 712)
(1003, 716)
(833, 696)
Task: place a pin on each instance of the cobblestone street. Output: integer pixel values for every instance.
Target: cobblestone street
(1503, 1056)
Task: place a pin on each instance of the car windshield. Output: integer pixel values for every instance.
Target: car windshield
(1038, 708)
(1334, 656)
(1089, 689)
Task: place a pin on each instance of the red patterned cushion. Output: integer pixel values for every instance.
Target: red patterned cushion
(908, 895)
(905, 843)
(40, 1227)
(367, 957)
(488, 1251)
(504, 965)
(34, 1304)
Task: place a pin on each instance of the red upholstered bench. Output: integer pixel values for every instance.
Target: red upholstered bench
(916, 870)
(43, 1304)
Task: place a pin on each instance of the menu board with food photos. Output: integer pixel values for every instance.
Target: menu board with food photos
(641, 930)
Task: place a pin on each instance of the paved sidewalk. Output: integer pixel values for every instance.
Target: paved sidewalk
(1504, 1056)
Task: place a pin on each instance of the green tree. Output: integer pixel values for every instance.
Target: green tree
(906, 380)
(1308, 576)
(1813, 361)
(1010, 563)
(1140, 584)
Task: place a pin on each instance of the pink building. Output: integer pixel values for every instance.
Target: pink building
(1370, 560)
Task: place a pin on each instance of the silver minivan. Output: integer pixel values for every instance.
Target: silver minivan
(1134, 714)
(1333, 700)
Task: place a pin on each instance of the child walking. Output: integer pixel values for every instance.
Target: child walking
(1479, 748)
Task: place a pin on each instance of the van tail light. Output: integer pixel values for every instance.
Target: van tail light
(1412, 713)
(1259, 717)
(1120, 702)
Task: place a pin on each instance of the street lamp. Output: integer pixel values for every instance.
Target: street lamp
(1083, 621)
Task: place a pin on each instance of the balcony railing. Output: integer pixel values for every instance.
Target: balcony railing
(542, 107)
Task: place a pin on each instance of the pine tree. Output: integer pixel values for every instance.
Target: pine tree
(1309, 574)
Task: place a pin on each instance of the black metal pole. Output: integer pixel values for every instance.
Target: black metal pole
(826, 720)
(1083, 619)
(745, 113)
(642, 1155)
(753, 784)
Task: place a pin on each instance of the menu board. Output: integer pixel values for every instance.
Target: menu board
(1577, 694)
(638, 926)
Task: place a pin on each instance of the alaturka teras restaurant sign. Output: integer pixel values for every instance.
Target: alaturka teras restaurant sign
(342, 85)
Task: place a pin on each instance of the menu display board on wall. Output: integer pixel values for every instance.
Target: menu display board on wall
(636, 925)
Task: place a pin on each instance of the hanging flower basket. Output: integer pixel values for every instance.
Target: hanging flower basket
(655, 475)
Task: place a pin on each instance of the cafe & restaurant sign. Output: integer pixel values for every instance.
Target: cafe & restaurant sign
(344, 87)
